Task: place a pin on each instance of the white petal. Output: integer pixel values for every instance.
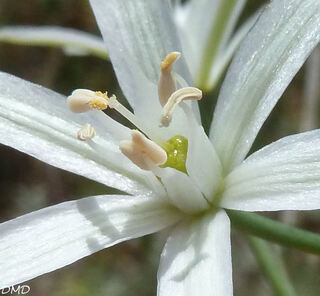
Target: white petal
(182, 191)
(270, 56)
(37, 121)
(203, 165)
(68, 39)
(284, 175)
(225, 55)
(56, 236)
(196, 259)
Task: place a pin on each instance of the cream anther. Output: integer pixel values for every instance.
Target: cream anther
(143, 152)
(186, 93)
(86, 132)
(167, 83)
(82, 100)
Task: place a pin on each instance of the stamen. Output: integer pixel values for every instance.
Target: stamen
(143, 152)
(167, 83)
(82, 100)
(86, 132)
(186, 93)
(114, 104)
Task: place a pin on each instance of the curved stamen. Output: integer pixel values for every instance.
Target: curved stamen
(186, 93)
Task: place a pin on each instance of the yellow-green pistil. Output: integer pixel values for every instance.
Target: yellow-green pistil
(177, 149)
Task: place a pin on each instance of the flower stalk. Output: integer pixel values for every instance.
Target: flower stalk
(277, 232)
(272, 266)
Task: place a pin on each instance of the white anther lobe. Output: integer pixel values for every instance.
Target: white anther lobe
(143, 152)
(167, 83)
(86, 132)
(186, 93)
(82, 100)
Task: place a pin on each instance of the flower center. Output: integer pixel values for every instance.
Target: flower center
(145, 152)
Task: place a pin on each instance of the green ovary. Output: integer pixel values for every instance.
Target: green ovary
(176, 148)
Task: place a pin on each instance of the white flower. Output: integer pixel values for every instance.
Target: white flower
(196, 259)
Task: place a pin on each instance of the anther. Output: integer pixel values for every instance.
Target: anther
(86, 132)
(167, 83)
(143, 152)
(82, 100)
(186, 93)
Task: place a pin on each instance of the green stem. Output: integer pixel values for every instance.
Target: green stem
(272, 266)
(276, 232)
(213, 43)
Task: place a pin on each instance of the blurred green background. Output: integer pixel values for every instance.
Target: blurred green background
(28, 184)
